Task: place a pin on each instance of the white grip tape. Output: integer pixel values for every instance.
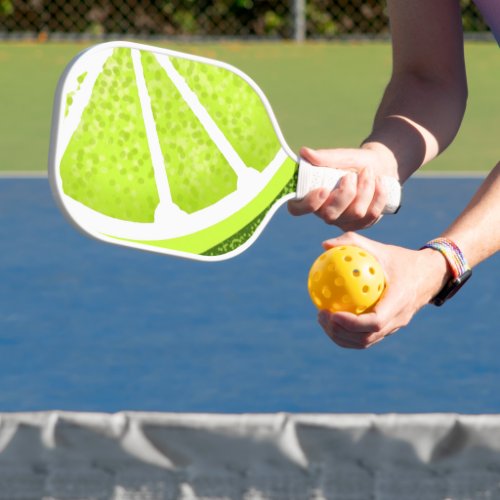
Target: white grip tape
(313, 177)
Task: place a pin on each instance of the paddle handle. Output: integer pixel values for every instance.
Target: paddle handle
(313, 177)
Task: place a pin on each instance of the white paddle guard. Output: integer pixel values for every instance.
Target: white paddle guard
(312, 177)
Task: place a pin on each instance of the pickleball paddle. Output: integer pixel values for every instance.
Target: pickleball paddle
(172, 153)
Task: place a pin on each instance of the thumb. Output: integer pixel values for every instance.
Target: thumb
(335, 158)
(348, 238)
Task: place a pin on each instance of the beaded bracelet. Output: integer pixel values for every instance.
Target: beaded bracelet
(452, 254)
(459, 267)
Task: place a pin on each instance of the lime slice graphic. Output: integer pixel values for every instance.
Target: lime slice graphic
(168, 152)
(237, 110)
(232, 233)
(239, 238)
(107, 164)
(197, 172)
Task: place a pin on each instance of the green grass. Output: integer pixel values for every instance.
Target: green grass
(324, 95)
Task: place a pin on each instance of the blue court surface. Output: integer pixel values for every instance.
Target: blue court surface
(87, 326)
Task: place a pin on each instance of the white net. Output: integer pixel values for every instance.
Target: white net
(160, 456)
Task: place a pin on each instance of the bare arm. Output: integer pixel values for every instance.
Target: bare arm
(477, 230)
(424, 102)
(418, 117)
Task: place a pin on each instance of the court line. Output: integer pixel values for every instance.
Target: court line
(452, 174)
(12, 174)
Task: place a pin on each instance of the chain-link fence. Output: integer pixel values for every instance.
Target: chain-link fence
(206, 18)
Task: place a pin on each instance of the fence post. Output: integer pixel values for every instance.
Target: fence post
(299, 20)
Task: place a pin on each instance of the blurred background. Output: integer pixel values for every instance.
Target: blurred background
(323, 65)
(284, 19)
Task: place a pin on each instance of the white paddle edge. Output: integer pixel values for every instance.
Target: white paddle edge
(198, 257)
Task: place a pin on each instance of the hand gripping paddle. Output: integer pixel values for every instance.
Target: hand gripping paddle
(172, 153)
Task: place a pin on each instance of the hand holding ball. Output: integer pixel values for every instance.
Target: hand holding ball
(346, 278)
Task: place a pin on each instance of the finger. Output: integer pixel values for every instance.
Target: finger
(310, 203)
(394, 310)
(362, 340)
(357, 225)
(355, 216)
(335, 328)
(341, 339)
(379, 200)
(340, 335)
(353, 340)
(364, 324)
(376, 209)
(373, 325)
(339, 199)
(374, 212)
(364, 195)
(345, 344)
(348, 238)
(336, 158)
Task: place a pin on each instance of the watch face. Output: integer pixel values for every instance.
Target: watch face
(451, 288)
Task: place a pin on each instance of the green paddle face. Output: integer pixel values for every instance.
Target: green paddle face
(166, 152)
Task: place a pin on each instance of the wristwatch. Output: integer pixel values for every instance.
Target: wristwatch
(460, 270)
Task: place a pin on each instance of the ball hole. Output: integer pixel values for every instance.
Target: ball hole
(356, 273)
(362, 254)
(346, 299)
(366, 289)
(371, 270)
(317, 301)
(348, 258)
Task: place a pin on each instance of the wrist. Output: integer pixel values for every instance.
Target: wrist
(437, 273)
(388, 165)
(457, 265)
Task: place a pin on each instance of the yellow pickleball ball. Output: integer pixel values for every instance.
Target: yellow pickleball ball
(346, 278)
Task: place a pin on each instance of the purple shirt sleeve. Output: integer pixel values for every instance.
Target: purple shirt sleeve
(490, 9)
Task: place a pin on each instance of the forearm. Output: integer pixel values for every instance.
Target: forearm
(424, 103)
(477, 230)
(416, 121)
